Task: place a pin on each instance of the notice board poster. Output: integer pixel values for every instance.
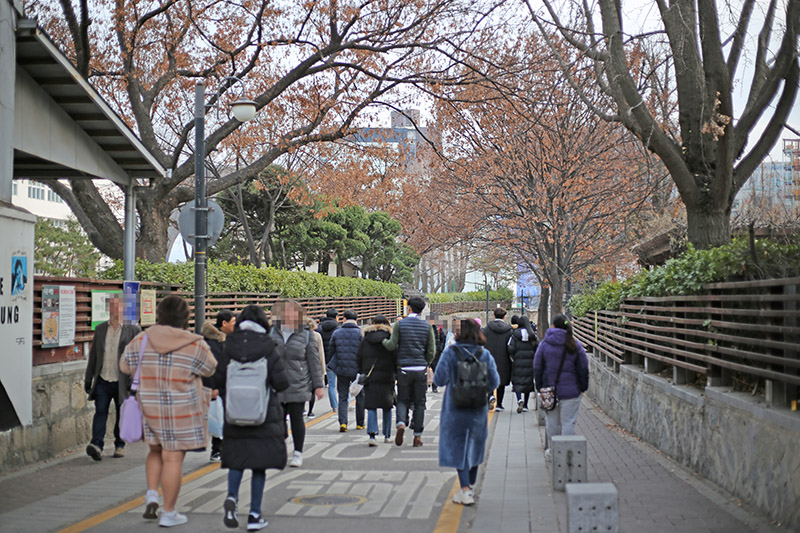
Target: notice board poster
(130, 309)
(58, 316)
(147, 299)
(99, 307)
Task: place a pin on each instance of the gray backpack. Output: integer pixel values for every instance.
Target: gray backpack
(247, 393)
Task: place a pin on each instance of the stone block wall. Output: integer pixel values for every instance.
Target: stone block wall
(62, 417)
(732, 439)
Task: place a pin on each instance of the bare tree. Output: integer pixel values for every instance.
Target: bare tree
(694, 56)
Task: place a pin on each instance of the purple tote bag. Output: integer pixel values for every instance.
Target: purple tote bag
(130, 415)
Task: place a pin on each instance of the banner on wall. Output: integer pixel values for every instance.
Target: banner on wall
(147, 301)
(130, 309)
(99, 309)
(58, 315)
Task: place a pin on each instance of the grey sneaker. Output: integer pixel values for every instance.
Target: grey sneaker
(94, 452)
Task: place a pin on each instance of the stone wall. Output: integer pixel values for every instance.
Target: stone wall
(62, 417)
(729, 438)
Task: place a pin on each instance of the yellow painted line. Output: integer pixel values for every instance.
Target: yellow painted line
(98, 519)
(450, 517)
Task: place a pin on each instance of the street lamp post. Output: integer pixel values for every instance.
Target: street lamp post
(486, 286)
(243, 110)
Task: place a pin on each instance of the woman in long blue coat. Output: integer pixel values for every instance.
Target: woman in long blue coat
(463, 431)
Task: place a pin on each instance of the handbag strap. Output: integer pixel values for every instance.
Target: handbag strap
(135, 383)
(561, 366)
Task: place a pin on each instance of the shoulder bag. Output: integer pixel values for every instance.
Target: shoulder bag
(130, 414)
(548, 399)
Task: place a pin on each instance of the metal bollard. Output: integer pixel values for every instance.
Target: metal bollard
(568, 453)
(592, 507)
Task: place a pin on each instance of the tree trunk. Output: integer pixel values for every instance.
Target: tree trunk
(708, 227)
(154, 215)
(543, 320)
(556, 291)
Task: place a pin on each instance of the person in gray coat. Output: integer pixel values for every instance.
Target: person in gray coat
(303, 367)
(104, 382)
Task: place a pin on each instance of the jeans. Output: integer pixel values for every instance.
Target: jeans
(295, 411)
(411, 389)
(343, 386)
(332, 394)
(467, 476)
(257, 481)
(104, 393)
(372, 422)
(561, 420)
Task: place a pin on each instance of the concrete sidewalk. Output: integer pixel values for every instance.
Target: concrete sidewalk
(656, 494)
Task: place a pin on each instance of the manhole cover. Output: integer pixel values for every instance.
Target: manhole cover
(328, 500)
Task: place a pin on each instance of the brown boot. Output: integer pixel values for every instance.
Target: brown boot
(417, 441)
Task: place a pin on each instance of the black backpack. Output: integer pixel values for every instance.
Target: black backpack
(471, 387)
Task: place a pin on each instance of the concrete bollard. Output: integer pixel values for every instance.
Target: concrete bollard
(540, 413)
(568, 453)
(592, 507)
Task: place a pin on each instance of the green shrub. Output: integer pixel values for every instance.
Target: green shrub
(500, 295)
(687, 273)
(226, 277)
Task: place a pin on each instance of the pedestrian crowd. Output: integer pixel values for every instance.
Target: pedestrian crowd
(246, 380)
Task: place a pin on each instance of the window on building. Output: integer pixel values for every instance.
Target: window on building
(14, 188)
(36, 190)
(53, 197)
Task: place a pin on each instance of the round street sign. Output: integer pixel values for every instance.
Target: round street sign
(216, 220)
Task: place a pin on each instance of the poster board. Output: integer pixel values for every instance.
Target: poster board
(99, 309)
(58, 315)
(130, 307)
(147, 307)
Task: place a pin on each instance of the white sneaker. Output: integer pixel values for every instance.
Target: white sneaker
(372, 441)
(519, 407)
(547, 456)
(464, 498)
(172, 519)
(387, 440)
(297, 460)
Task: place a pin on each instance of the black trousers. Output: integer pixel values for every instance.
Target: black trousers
(411, 389)
(296, 410)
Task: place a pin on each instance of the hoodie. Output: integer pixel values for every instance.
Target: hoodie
(575, 373)
(326, 328)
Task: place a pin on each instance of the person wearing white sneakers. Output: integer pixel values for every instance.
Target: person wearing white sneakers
(303, 368)
(463, 429)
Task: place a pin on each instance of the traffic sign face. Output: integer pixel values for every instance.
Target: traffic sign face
(216, 220)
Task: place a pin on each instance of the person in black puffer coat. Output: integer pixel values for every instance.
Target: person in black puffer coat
(497, 333)
(254, 447)
(326, 327)
(215, 338)
(522, 347)
(379, 364)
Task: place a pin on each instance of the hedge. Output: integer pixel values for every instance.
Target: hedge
(226, 277)
(687, 273)
(500, 295)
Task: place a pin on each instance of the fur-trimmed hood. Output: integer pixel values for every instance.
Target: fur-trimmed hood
(375, 333)
(209, 331)
(377, 327)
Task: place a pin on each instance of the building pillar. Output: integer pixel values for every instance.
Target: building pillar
(129, 245)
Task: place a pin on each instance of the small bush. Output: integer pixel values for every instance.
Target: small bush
(500, 295)
(226, 277)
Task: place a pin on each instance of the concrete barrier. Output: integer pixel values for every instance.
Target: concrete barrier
(569, 460)
(592, 507)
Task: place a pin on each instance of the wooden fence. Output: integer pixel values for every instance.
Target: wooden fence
(366, 307)
(741, 334)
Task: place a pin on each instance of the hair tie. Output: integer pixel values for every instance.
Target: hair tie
(566, 322)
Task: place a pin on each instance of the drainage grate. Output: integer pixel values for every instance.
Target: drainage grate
(328, 500)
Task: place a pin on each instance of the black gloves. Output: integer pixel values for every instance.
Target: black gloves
(87, 386)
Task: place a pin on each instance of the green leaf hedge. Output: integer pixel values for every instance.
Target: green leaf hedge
(500, 295)
(226, 277)
(687, 273)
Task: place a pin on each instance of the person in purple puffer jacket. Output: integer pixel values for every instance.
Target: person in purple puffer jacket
(558, 343)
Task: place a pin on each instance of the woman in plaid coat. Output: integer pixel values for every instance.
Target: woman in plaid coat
(173, 401)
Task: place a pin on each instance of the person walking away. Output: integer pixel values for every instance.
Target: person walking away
(214, 335)
(344, 349)
(173, 401)
(413, 339)
(521, 347)
(302, 368)
(312, 326)
(257, 447)
(378, 365)
(440, 337)
(463, 431)
(326, 327)
(560, 361)
(103, 381)
(497, 333)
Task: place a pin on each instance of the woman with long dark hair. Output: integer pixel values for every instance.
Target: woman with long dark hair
(560, 362)
(463, 431)
(521, 347)
(378, 365)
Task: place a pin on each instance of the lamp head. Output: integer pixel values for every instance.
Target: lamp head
(243, 109)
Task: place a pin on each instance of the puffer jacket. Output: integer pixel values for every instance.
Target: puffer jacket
(216, 341)
(522, 352)
(497, 334)
(575, 373)
(303, 367)
(326, 328)
(344, 347)
(374, 359)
